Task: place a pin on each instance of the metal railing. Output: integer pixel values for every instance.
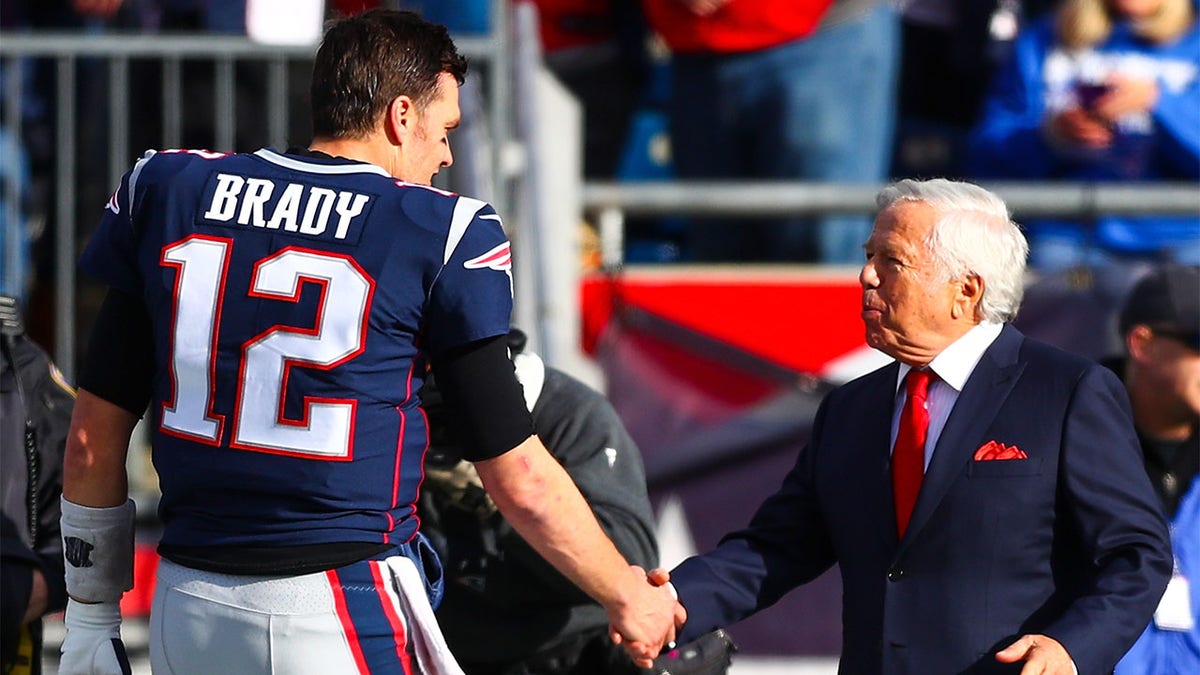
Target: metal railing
(614, 202)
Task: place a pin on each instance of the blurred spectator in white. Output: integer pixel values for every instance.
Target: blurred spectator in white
(780, 90)
(1103, 90)
(285, 22)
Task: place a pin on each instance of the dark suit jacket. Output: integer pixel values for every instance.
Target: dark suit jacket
(1069, 542)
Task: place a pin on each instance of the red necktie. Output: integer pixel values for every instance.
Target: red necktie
(908, 457)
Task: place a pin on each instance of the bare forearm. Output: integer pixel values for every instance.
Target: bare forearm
(541, 502)
(94, 461)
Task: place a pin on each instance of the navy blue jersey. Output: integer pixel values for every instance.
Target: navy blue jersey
(294, 302)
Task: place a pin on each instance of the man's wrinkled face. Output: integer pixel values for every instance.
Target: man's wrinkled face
(906, 306)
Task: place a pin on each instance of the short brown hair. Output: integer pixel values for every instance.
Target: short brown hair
(367, 60)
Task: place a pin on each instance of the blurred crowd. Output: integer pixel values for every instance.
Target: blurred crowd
(842, 91)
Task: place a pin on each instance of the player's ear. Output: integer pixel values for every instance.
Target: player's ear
(401, 117)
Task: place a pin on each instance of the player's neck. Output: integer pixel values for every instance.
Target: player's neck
(357, 149)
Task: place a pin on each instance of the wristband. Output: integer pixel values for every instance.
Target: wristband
(98, 548)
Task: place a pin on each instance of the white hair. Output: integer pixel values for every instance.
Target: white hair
(973, 234)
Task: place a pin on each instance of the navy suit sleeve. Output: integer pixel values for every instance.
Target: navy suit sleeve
(786, 544)
(1105, 491)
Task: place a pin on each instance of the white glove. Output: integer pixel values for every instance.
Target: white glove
(93, 643)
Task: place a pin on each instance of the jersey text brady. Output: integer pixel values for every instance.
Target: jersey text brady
(280, 205)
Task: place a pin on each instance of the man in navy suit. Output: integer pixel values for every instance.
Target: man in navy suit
(1024, 538)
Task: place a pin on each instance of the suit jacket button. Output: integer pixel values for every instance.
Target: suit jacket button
(895, 575)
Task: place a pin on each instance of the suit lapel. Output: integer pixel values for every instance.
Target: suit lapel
(984, 393)
(877, 429)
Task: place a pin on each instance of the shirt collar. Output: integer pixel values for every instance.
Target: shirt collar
(955, 363)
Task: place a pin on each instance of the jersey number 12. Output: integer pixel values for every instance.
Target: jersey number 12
(325, 430)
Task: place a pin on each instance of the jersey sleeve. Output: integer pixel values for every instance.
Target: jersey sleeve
(111, 253)
(472, 297)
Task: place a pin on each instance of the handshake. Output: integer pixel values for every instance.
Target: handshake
(647, 618)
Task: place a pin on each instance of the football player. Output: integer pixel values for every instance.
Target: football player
(276, 311)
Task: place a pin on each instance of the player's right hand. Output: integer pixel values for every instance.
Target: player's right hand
(93, 643)
(661, 577)
(645, 621)
(658, 577)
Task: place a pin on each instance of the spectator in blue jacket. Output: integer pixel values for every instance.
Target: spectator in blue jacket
(1171, 643)
(1103, 90)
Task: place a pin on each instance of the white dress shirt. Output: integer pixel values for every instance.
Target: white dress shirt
(952, 366)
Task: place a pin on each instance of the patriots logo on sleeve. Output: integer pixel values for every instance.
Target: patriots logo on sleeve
(499, 259)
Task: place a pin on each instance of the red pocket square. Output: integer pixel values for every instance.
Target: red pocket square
(993, 450)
